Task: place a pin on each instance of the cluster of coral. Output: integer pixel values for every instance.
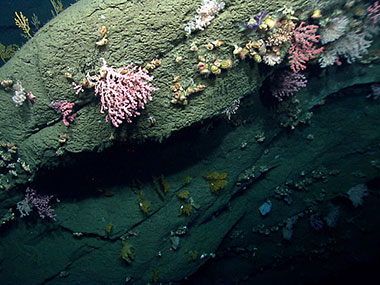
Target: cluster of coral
(13, 169)
(205, 13)
(275, 36)
(181, 92)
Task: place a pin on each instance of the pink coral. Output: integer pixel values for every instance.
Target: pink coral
(302, 47)
(66, 109)
(123, 92)
(286, 84)
(77, 87)
(374, 12)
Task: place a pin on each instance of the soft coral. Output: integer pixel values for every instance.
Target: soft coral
(302, 47)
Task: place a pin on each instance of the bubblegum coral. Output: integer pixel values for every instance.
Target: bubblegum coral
(66, 109)
(122, 91)
(302, 47)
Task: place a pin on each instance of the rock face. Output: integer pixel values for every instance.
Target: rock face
(117, 197)
(136, 32)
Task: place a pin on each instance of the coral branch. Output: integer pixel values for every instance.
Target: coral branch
(122, 92)
(286, 84)
(66, 109)
(374, 12)
(302, 47)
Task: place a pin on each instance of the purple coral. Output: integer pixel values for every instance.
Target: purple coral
(34, 200)
(287, 83)
(256, 21)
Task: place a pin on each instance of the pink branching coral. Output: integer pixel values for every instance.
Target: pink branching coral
(302, 47)
(374, 12)
(286, 84)
(66, 109)
(122, 91)
(77, 87)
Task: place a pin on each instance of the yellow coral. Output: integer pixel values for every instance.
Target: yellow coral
(215, 175)
(186, 180)
(184, 194)
(194, 255)
(185, 209)
(215, 70)
(161, 186)
(7, 51)
(217, 181)
(226, 64)
(270, 22)
(317, 14)
(57, 6)
(108, 228)
(155, 275)
(127, 252)
(217, 185)
(23, 23)
(143, 204)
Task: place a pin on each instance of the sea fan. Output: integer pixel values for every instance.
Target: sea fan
(333, 30)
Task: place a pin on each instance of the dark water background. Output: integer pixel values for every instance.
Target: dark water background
(10, 33)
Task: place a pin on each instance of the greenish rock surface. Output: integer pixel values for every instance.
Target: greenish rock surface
(318, 171)
(137, 32)
(318, 161)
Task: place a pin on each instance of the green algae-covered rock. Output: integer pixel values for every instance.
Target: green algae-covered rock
(138, 32)
(223, 225)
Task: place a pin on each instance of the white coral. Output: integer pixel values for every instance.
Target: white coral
(357, 193)
(332, 217)
(352, 46)
(24, 207)
(207, 12)
(19, 96)
(333, 30)
(272, 59)
(287, 230)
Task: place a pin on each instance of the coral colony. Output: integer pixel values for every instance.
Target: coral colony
(122, 91)
(205, 13)
(287, 83)
(256, 21)
(334, 29)
(66, 109)
(34, 200)
(357, 193)
(125, 91)
(302, 47)
(19, 94)
(374, 13)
